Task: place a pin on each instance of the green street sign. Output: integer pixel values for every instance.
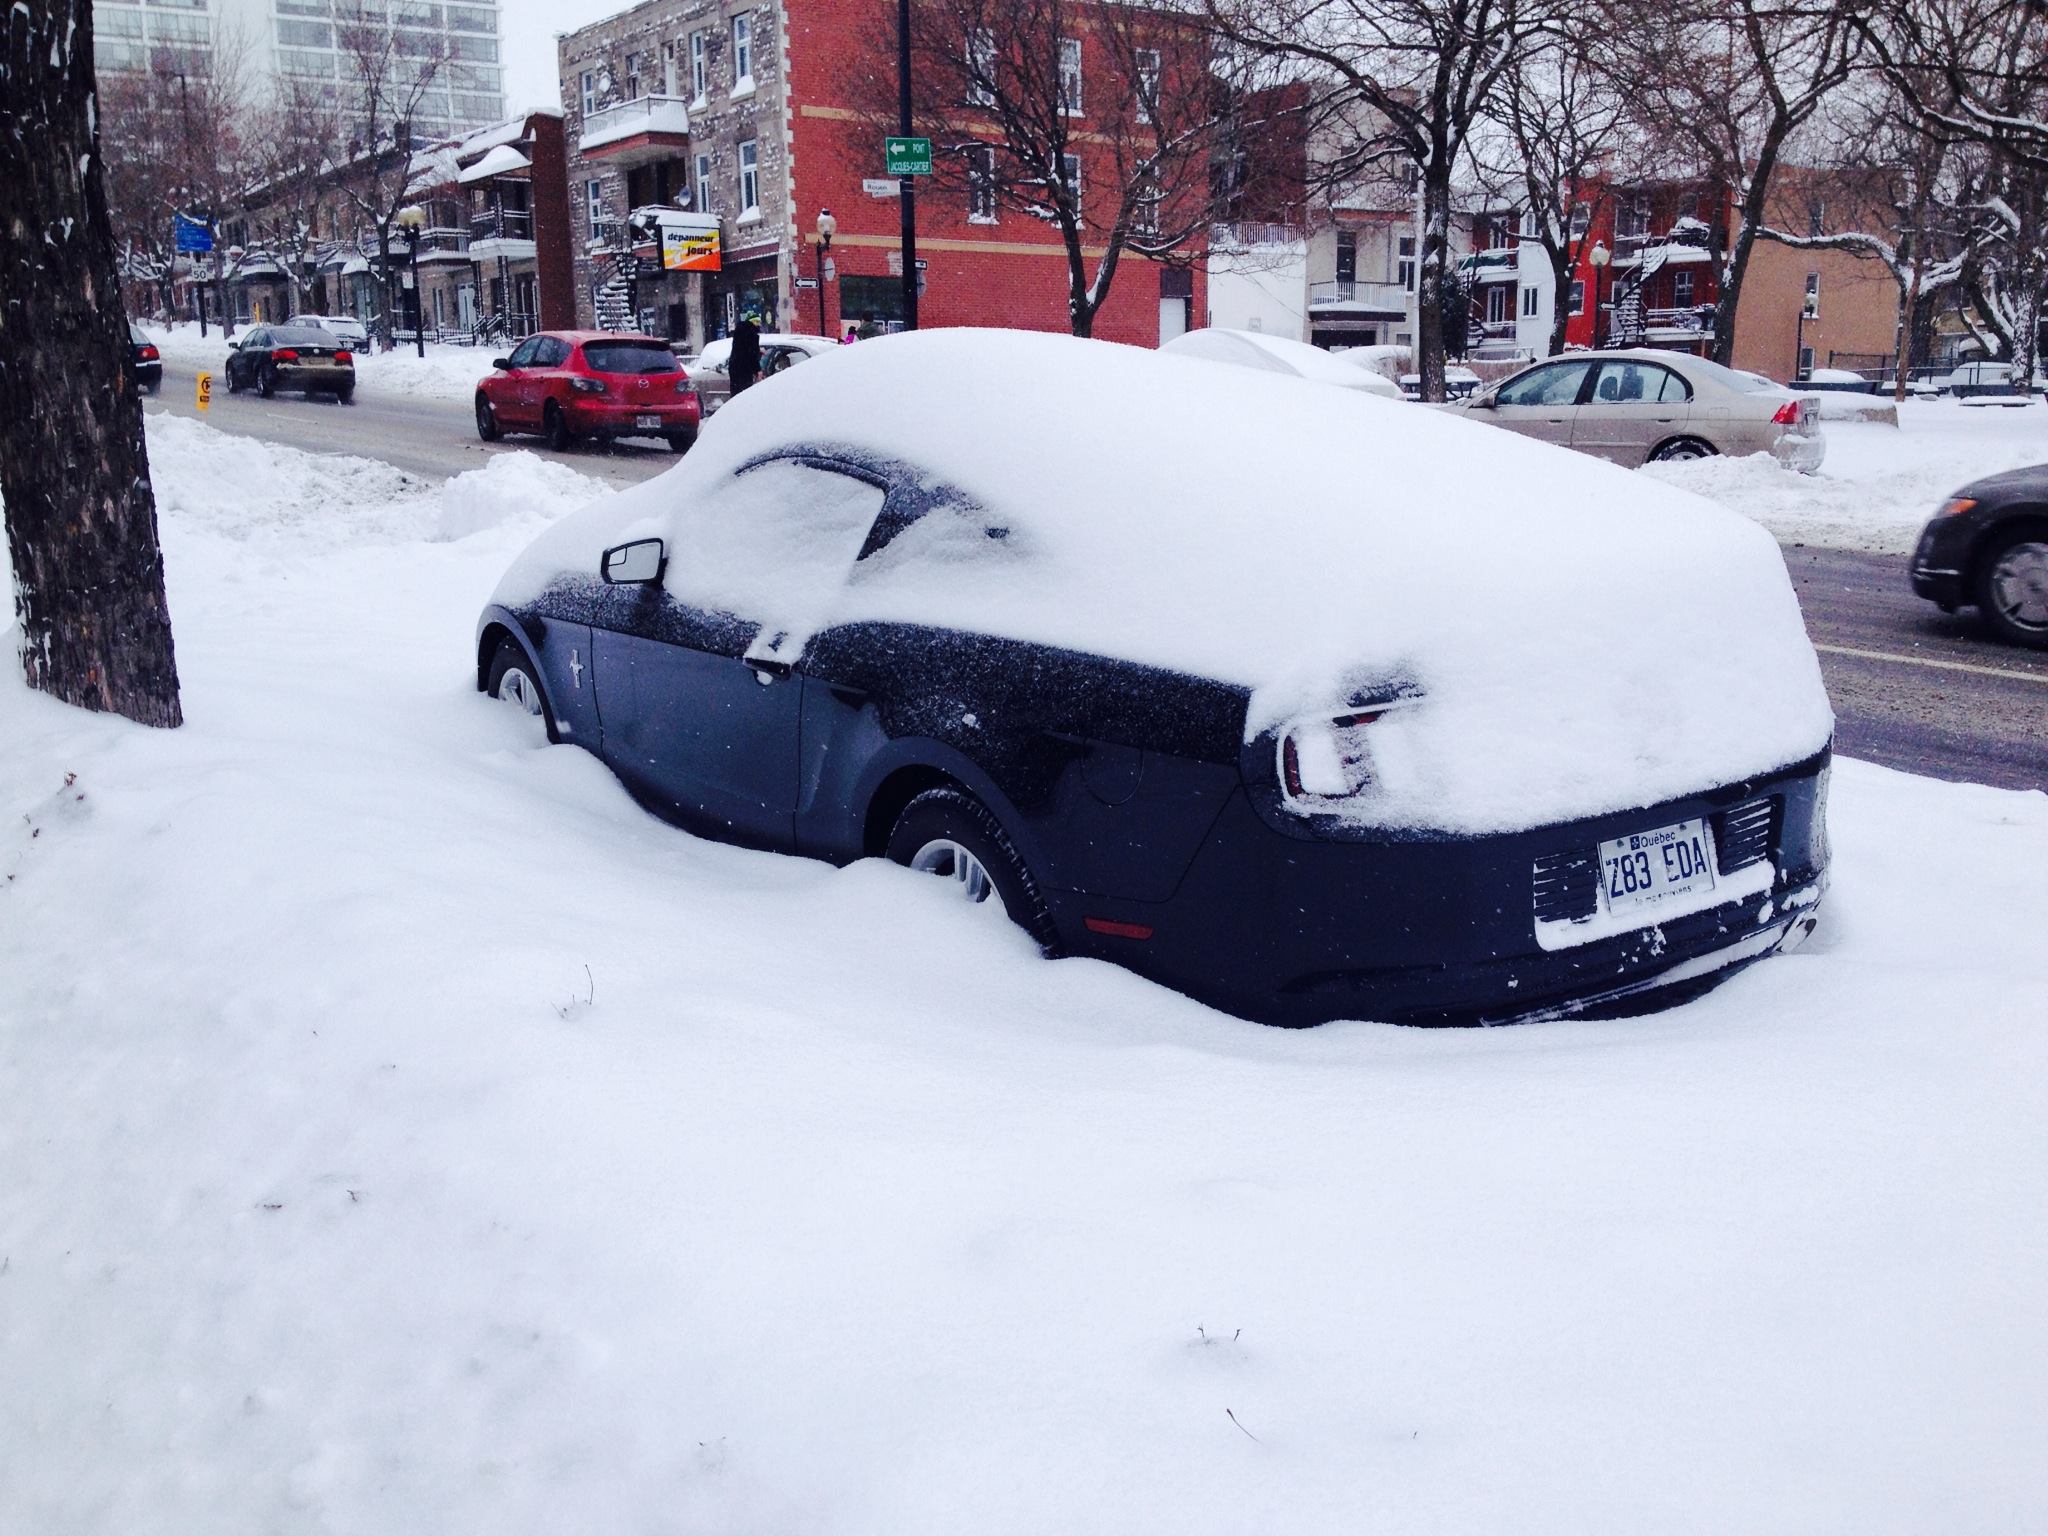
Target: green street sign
(907, 157)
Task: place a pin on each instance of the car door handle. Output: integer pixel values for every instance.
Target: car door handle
(768, 670)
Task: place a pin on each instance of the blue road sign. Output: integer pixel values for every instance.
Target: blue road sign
(192, 234)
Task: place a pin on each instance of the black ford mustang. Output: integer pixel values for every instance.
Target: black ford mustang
(1121, 809)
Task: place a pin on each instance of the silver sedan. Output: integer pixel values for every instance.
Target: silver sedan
(1639, 407)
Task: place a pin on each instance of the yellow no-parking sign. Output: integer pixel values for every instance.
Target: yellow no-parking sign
(205, 390)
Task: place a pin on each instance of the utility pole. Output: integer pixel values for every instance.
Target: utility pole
(908, 184)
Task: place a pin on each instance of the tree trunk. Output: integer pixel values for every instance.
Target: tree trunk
(1431, 261)
(81, 519)
(1561, 296)
(385, 342)
(1753, 201)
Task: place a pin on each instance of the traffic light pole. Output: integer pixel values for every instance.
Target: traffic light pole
(908, 184)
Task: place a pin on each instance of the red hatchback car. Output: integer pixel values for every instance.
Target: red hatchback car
(566, 385)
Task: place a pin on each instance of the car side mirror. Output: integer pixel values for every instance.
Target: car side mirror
(1485, 402)
(634, 564)
(501, 362)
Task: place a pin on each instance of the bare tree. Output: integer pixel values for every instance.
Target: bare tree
(1563, 135)
(298, 143)
(1419, 73)
(74, 472)
(1104, 121)
(1976, 70)
(387, 72)
(1725, 84)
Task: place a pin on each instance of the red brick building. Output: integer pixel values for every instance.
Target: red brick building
(705, 138)
(1658, 287)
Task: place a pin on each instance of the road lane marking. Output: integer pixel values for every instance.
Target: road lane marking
(1929, 661)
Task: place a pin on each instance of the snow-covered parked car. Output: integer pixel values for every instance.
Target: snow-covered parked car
(1460, 383)
(1279, 354)
(1640, 406)
(354, 332)
(1304, 718)
(1973, 380)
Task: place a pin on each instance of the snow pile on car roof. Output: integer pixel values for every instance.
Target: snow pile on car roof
(1586, 638)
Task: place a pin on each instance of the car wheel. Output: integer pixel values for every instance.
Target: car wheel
(514, 681)
(680, 442)
(2012, 586)
(346, 396)
(1680, 448)
(266, 381)
(153, 386)
(949, 833)
(486, 420)
(555, 429)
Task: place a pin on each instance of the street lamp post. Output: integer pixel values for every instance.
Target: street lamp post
(410, 222)
(827, 228)
(1599, 256)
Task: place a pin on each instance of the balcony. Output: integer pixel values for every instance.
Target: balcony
(440, 244)
(501, 234)
(1679, 322)
(1389, 299)
(634, 132)
(1502, 264)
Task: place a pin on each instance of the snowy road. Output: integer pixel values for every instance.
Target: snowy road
(1912, 689)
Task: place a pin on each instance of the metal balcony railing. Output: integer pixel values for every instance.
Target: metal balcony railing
(501, 224)
(1391, 297)
(643, 114)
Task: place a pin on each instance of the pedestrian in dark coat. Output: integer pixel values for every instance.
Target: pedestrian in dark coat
(745, 365)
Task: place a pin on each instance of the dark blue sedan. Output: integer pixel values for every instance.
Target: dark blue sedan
(812, 638)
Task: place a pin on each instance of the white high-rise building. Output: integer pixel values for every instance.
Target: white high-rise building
(298, 38)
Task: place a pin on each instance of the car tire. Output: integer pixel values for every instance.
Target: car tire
(949, 833)
(681, 442)
(346, 396)
(234, 381)
(554, 428)
(487, 426)
(514, 679)
(1680, 449)
(266, 381)
(153, 386)
(2011, 586)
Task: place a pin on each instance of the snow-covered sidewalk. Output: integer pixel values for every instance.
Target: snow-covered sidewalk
(1880, 483)
(406, 1133)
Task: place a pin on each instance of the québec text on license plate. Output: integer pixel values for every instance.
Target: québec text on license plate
(1646, 869)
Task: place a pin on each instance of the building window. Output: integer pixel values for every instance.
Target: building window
(1498, 232)
(1681, 290)
(1816, 219)
(981, 184)
(981, 68)
(1145, 219)
(589, 92)
(750, 179)
(742, 54)
(1407, 262)
(703, 184)
(1632, 219)
(1070, 174)
(1813, 295)
(1582, 220)
(1347, 256)
(1529, 303)
(669, 79)
(1805, 362)
(700, 66)
(593, 196)
(1578, 298)
(633, 76)
(1070, 76)
(1497, 304)
(1148, 83)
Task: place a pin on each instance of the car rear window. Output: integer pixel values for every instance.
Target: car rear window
(301, 336)
(629, 357)
(1728, 378)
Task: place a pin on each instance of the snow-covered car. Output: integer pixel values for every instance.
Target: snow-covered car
(1642, 406)
(354, 332)
(1985, 378)
(1279, 354)
(1987, 546)
(710, 370)
(1305, 718)
(1836, 381)
(1459, 383)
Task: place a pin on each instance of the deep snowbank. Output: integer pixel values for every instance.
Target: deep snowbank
(446, 373)
(406, 1134)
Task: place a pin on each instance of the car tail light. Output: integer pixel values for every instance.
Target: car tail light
(588, 386)
(1326, 762)
(284, 355)
(149, 354)
(1791, 414)
(345, 357)
(684, 386)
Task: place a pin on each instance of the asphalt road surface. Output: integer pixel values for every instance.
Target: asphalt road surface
(1913, 688)
(434, 439)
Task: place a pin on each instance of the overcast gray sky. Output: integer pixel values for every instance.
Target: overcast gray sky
(529, 44)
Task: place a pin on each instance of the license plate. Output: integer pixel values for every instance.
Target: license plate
(647, 421)
(1644, 870)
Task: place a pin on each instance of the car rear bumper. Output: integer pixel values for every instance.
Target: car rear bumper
(605, 419)
(1298, 930)
(314, 379)
(1803, 452)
